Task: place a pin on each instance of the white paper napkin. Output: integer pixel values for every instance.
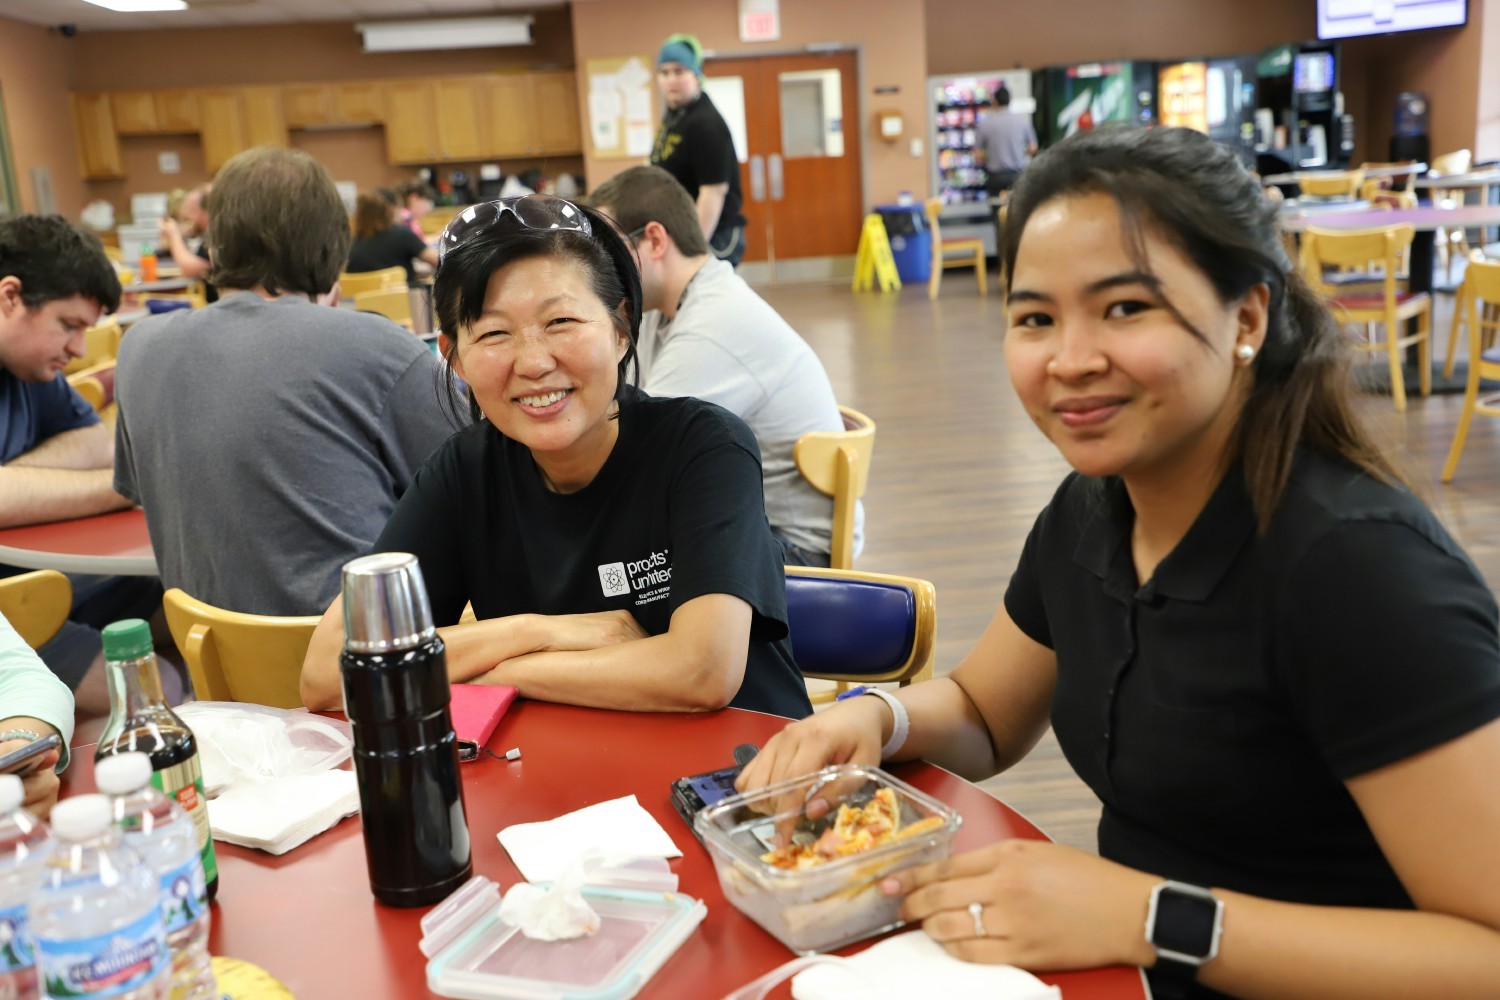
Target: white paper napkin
(912, 964)
(614, 828)
(283, 813)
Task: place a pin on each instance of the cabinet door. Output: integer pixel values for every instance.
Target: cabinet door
(265, 125)
(98, 145)
(458, 102)
(307, 104)
(510, 126)
(176, 111)
(134, 112)
(358, 103)
(223, 126)
(555, 103)
(410, 136)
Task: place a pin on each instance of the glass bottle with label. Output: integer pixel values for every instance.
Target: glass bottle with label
(140, 721)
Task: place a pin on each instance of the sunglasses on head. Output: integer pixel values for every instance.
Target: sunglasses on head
(533, 211)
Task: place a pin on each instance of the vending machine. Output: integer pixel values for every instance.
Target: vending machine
(1073, 98)
(959, 104)
(1212, 96)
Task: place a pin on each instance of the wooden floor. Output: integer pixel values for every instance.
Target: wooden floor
(960, 473)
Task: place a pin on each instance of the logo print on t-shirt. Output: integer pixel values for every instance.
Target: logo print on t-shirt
(613, 580)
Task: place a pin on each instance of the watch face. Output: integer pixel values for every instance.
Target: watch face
(1184, 923)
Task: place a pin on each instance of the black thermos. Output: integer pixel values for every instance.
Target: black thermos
(396, 694)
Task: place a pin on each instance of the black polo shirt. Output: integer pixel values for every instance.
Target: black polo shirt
(1218, 709)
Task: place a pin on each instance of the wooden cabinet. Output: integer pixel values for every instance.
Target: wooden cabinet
(307, 104)
(554, 99)
(358, 104)
(98, 142)
(327, 105)
(265, 123)
(431, 121)
(154, 112)
(223, 126)
(458, 117)
(510, 127)
(410, 132)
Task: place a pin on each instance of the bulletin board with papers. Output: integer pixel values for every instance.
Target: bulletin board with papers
(622, 124)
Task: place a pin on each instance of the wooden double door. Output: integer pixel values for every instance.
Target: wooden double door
(795, 120)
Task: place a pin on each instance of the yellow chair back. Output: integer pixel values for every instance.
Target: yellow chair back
(837, 463)
(239, 657)
(36, 604)
(101, 342)
(1354, 248)
(1333, 184)
(394, 304)
(353, 284)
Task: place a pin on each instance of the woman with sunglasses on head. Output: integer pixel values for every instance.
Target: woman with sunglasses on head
(614, 546)
(1267, 658)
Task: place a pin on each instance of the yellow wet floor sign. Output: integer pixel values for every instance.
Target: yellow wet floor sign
(242, 981)
(874, 260)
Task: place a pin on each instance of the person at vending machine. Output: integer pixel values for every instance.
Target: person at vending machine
(1008, 140)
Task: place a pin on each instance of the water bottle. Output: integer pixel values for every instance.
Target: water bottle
(25, 846)
(140, 720)
(96, 917)
(164, 836)
(395, 680)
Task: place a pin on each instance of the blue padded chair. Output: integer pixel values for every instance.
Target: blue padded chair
(852, 626)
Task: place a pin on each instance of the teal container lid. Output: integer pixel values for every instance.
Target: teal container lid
(127, 640)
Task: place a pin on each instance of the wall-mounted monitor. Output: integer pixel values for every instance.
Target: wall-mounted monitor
(1350, 18)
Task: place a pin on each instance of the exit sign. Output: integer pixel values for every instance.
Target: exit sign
(760, 20)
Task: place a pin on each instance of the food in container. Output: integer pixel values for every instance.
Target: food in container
(822, 891)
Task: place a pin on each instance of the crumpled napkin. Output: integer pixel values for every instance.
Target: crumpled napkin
(613, 829)
(554, 914)
(912, 964)
(276, 816)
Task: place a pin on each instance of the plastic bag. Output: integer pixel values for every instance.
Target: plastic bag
(99, 216)
(244, 742)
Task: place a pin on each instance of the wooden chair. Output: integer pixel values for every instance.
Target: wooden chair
(394, 304)
(355, 283)
(865, 628)
(1381, 196)
(837, 463)
(101, 342)
(1331, 184)
(1480, 298)
(965, 252)
(239, 657)
(1370, 249)
(36, 604)
(96, 385)
(435, 221)
(1456, 240)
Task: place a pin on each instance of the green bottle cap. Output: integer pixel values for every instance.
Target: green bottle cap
(127, 640)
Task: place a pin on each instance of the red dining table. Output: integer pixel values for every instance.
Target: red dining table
(308, 917)
(114, 544)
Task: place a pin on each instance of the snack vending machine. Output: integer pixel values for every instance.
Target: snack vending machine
(959, 104)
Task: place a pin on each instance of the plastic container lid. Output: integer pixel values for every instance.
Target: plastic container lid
(127, 640)
(82, 817)
(123, 773)
(490, 960)
(12, 794)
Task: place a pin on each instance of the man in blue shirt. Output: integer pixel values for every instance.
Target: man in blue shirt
(56, 457)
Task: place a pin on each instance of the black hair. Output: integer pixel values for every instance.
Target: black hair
(1194, 193)
(1002, 96)
(462, 282)
(55, 259)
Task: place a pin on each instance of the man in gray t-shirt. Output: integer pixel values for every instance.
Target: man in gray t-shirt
(1008, 140)
(269, 436)
(707, 334)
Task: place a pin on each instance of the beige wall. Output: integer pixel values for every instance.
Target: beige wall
(888, 33)
(34, 69)
(964, 36)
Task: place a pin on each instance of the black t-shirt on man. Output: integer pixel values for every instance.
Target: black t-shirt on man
(694, 146)
(392, 247)
(675, 513)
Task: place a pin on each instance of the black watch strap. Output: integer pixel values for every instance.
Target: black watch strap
(1183, 924)
(1171, 979)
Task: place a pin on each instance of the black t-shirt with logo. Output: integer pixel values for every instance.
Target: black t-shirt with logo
(694, 146)
(675, 513)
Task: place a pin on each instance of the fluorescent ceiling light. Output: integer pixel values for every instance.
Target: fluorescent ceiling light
(139, 6)
(457, 33)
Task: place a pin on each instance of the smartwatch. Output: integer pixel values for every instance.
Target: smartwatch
(1183, 924)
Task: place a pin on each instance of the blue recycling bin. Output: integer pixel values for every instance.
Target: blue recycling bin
(911, 240)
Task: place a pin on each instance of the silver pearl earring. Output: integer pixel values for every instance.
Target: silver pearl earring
(1244, 352)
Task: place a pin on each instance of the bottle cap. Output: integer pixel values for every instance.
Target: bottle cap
(385, 603)
(123, 773)
(82, 817)
(127, 640)
(12, 794)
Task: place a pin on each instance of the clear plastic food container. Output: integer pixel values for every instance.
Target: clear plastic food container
(835, 901)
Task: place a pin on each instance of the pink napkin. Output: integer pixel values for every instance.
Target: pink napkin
(477, 709)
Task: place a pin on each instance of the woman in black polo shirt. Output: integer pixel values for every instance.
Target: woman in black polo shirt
(614, 546)
(1275, 668)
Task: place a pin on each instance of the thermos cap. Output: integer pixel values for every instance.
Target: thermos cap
(385, 603)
